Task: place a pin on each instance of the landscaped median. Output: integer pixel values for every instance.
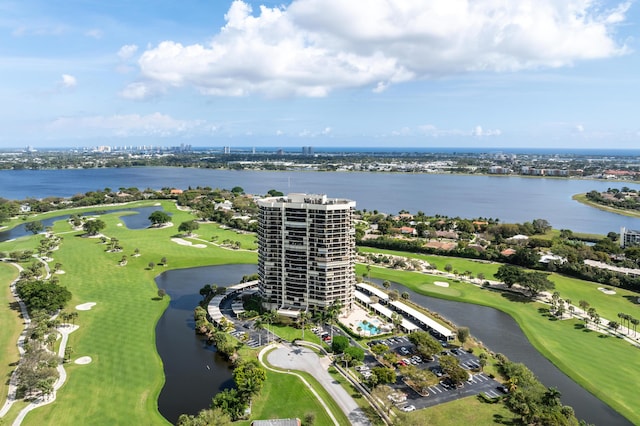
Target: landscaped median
(300, 398)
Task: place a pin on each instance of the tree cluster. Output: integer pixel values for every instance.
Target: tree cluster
(531, 400)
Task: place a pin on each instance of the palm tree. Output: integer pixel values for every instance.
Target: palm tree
(596, 319)
(268, 318)
(332, 314)
(621, 316)
(614, 325)
(482, 359)
(386, 284)
(303, 317)
(396, 320)
(551, 397)
(635, 322)
(584, 305)
(205, 291)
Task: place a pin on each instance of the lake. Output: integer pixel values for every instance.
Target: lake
(511, 199)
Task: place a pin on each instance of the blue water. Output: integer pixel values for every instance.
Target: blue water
(138, 220)
(511, 199)
(372, 329)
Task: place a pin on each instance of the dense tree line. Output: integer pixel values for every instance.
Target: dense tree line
(36, 373)
(625, 198)
(573, 252)
(43, 295)
(531, 400)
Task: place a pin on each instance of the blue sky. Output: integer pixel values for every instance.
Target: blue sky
(405, 73)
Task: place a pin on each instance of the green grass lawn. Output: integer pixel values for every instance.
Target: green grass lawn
(285, 393)
(122, 383)
(570, 347)
(439, 262)
(608, 306)
(464, 411)
(11, 327)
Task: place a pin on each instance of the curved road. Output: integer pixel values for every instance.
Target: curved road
(300, 358)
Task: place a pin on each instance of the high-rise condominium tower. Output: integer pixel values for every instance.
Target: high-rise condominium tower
(306, 252)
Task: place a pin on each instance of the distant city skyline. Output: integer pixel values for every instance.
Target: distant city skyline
(320, 73)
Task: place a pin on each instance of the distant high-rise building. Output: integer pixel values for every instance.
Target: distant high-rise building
(307, 150)
(227, 150)
(629, 237)
(306, 252)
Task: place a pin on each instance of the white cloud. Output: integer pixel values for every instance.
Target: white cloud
(68, 81)
(579, 128)
(313, 47)
(155, 124)
(479, 131)
(127, 51)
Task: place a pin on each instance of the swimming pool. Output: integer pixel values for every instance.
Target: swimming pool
(369, 327)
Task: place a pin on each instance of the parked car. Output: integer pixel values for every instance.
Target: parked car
(408, 408)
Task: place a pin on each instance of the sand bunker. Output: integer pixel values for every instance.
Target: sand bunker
(85, 306)
(83, 360)
(60, 272)
(606, 290)
(442, 283)
(187, 243)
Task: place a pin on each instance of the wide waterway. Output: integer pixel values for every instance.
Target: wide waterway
(511, 199)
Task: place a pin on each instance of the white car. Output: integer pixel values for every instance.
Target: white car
(408, 408)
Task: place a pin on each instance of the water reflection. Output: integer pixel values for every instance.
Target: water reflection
(194, 373)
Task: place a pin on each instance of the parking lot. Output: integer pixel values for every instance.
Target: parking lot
(405, 397)
(478, 381)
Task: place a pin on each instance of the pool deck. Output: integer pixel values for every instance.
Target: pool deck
(357, 315)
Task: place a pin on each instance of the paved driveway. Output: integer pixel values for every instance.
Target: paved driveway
(304, 359)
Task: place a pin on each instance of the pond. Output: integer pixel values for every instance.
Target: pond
(139, 220)
(194, 373)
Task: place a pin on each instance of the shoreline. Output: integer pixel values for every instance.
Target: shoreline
(582, 199)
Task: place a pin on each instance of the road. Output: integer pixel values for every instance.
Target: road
(304, 359)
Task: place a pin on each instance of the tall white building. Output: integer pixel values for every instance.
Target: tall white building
(306, 252)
